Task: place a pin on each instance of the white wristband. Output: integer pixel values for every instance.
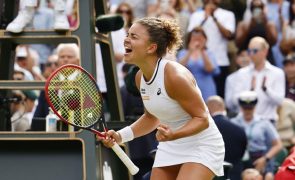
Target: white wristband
(126, 134)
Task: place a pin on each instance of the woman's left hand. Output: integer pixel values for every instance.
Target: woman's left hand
(164, 133)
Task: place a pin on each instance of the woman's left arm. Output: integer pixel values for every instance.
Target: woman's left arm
(181, 86)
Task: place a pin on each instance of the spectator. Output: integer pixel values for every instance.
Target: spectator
(175, 10)
(287, 44)
(265, 79)
(24, 62)
(219, 26)
(247, 13)
(50, 66)
(30, 104)
(234, 137)
(289, 68)
(141, 8)
(286, 123)
(126, 11)
(22, 110)
(200, 61)
(259, 25)
(277, 12)
(263, 139)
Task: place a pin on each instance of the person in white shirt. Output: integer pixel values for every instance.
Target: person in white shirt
(219, 26)
(267, 80)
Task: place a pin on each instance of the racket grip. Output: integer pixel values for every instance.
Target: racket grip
(133, 169)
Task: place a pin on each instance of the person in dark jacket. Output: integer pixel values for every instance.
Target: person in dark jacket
(234, 137)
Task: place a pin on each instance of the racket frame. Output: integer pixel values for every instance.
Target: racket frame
(133, 169)
(56, 111)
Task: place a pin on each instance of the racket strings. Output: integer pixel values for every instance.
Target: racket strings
(75, 96)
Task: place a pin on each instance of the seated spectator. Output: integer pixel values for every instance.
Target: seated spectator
(287, 44)
(50, 65)
(27, 61)
(263, 139)
(19, 122)
(22, 62)
(262, 77)
(234, 137)
(22, 110)
(200, 61)
(286, 123)
(289, 69)
(30, 104)
(251, 174)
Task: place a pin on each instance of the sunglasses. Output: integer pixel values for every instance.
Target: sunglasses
(49, 64)
(128, 12)
(252, 51)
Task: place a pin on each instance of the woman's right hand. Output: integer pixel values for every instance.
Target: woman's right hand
(111, 137)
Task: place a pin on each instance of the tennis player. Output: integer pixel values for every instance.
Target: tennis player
(190, 145)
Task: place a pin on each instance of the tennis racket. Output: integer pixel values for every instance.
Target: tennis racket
(74, 96)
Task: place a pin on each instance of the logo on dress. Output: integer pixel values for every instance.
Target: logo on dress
(159, 91)
(142, 91)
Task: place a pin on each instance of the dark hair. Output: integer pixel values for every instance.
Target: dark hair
(164, 32)
(131, 15)
(291, 13)
(178, 5)
(197, 29)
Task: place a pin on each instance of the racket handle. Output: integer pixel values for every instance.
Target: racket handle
(133, 169)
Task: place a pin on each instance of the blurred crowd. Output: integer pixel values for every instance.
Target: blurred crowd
(241, 52)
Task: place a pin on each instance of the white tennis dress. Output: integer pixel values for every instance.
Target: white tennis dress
(206, 147)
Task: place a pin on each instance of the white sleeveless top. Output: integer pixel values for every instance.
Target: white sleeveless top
(206, 147)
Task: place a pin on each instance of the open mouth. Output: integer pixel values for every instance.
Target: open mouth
(128, 50)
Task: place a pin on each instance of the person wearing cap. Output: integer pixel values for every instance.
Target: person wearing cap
(289, 68)
(263, 139)
(30, 103)
(22, 62)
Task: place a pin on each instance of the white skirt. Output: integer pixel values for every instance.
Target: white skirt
(206, 148)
